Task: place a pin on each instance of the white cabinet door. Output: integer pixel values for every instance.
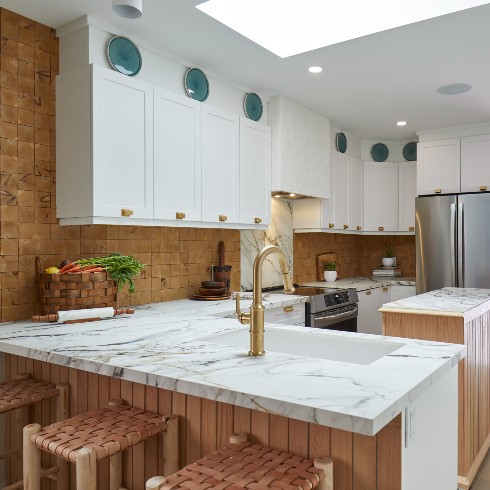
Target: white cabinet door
(402, 292)
(407, 189)
(255, 172)
(342, 193)
(122, 139)
(370, 301)
(220, 165)
(177, 157)
(380, 196)
(438, 167)
(286, 315)
(475, 164)
(355, 194)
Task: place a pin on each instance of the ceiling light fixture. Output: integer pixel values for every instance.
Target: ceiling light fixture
(454, 89)
(401, 123)
(277, 195)
(129, 9)
(315, 69)
(289, 27)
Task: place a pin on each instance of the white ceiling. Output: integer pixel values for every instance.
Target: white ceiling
(367, 84)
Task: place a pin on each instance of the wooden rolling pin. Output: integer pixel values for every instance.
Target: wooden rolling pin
(86, 315)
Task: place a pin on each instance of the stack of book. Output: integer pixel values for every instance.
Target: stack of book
(387, 272)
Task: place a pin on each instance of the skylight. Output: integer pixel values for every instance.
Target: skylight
(289, 27)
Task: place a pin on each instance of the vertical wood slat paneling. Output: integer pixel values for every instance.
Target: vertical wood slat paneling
(206, 425)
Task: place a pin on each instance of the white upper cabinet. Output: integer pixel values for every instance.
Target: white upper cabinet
(438, 166)
(475, 163)
(355, 194)
(220, 165)
(407, 190)
(342, 193)
(380, 196)
(255, 172)
(177, 157)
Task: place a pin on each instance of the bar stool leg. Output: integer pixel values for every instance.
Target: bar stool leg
(86, 468)
(325, 464)
(155, 483)
(32, 459)
(171, 446)
(115, 472)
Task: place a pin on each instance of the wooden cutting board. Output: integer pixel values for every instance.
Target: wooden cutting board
(320, 263)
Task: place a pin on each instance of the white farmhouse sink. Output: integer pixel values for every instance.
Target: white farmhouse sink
(313, 344)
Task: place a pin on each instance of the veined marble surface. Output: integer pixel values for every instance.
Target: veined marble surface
(363, 283)
(466, 302)
(167, 345)
(280, 233)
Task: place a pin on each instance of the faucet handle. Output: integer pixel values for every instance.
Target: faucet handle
(243, 318)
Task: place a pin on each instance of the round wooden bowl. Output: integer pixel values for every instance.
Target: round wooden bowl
(212, 292)
(212, 284)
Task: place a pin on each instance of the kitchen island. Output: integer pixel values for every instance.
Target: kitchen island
(459, 315)
(165, 359)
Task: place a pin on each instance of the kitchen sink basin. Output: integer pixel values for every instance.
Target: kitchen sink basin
(312, 344)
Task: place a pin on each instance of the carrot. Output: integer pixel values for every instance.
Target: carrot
(93, 269)
(74, 270)
(68, 266)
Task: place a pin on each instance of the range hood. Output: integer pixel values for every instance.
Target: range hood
(300, 150)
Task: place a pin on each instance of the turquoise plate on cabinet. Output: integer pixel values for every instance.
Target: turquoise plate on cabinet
(379, 152)
(410, 151)
(252, 105)
(341, 143)
(124, 56)
(196, 84)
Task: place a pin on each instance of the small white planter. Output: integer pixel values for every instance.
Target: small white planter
(388, 261)
(330, 276)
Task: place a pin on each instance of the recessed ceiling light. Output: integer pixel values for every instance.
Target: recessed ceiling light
(315, 69)
(289, 27)
(454, 89)
(129, 9)
(401, 123)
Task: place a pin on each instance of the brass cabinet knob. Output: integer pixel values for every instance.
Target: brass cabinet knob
(411, 228)
(222, 217)
(483, 187)
(359, 228)
(288, 309)
(179, 215)
(346, 227)
(258, 220)
(381, 228)
(368, 293)
(386, 289)
(126, 212)
(437, 191)
(331, 225)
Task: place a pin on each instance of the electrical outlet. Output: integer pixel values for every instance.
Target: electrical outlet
(410, 424)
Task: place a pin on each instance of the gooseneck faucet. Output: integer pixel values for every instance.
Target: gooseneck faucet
(256, 316)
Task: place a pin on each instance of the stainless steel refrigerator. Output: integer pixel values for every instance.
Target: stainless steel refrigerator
(452, 235)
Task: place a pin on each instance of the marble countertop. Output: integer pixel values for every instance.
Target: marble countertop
(363, 283)
(466, 302)
(167, 345)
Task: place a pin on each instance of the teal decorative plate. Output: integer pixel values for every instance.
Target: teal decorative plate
(124, 56)
(410, 151)
(252, 105)
(379, 152)
(196, 84)
(341, 143)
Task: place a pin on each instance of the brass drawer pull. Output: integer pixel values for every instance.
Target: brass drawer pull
(359, 228)
(288, 309)
(368, 293)
(411, 228)
(437, 191)
(331, 225)
(179, 215)
(222, 217)
(346, 227)
(126, 212)
(258, 220)
(483, 187)
(386, 289)
(381, 228)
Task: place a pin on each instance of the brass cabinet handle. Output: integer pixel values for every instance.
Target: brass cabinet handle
(381, 228)
(346, 227)
(411, 228)
(437, 191)
(222, 217)
(179, 215)
(368, 293)
(385, 289)
(331, 225)
(483, 187)
(359, 228)
(288, 309)
(258, 220)
(126, 212)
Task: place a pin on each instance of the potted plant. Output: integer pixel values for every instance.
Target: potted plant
(330, 272)
(388, 260)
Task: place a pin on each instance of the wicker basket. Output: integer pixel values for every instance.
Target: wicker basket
(75, 291)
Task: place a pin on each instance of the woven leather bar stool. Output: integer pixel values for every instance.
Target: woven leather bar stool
(241, 465)
(93, 436)
(18, 395)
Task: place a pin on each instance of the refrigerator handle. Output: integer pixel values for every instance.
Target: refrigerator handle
(460, 245)
(452, 234)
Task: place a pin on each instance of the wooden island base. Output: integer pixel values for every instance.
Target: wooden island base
(360, 462)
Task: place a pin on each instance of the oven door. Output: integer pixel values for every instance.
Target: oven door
(343, 318)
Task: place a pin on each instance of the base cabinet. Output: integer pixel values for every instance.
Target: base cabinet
(370, 301)
(286, 315)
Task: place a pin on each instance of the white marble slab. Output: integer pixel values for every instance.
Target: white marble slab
(466, 302)
(363, 283)
(162, 345)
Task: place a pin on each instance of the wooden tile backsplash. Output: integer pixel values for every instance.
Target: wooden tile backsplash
(177, 259)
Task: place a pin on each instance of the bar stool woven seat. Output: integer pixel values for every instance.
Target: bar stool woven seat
(18, 393)
(244, 465)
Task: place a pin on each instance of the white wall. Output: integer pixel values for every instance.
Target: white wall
(353, 143)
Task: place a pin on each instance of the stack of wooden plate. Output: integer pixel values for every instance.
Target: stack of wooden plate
(212, 291)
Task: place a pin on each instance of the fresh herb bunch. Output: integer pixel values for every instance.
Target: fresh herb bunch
(122, 268)
(330, 266)
(388, 250)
